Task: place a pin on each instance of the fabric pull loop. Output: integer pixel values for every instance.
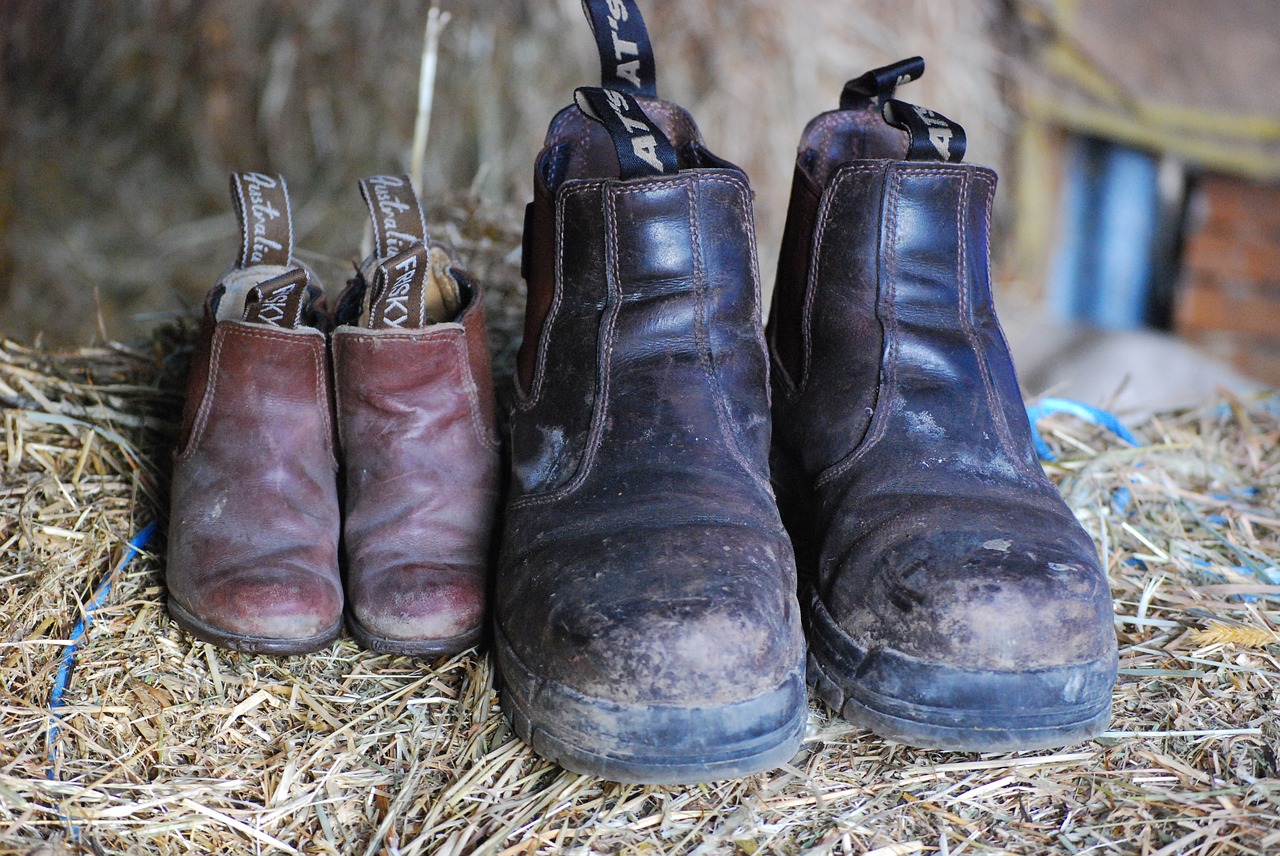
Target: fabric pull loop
(266, 226)
(643, 150)
(396, 213)
(934, 137)
(280, 302)
(626, 56)
(880, 83)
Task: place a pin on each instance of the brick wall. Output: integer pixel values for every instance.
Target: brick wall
(1229, 297)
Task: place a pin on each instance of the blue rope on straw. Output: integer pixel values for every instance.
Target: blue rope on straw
(69, 655)
(1080, 410)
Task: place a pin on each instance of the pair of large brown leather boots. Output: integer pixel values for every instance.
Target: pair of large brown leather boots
(647, 621)
(372, 429)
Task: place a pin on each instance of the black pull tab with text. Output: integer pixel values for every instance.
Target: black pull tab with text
(879, 84)
(626, 57)
(643, 150)
(934, 137)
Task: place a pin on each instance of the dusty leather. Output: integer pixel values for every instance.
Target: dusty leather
(902, 449)
(420, 452)
(253, 533)
(644, 566)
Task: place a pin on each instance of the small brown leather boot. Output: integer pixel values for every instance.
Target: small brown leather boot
(254, 522)
(419, 445)
(646, 622)
(952, 599)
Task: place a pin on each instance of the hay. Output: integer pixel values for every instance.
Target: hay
(167, 745)
(119, 122)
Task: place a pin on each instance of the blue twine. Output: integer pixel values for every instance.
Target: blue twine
(1080, 410)
(69, 655)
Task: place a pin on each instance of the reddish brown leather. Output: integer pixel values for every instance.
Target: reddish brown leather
(253, 533)
(416, 422)
(198, 377)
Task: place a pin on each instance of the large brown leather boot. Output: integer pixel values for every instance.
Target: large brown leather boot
(952, 600)
(253, 528)
(419, 446)
(646, 622)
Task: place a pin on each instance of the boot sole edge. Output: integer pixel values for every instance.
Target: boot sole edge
(371, 641)
(1044, 721)
(247, 643)
(996, 734)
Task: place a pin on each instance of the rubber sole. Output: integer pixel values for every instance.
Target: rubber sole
(651, 744)
(246, 643)
(934, 706)
(412, 647)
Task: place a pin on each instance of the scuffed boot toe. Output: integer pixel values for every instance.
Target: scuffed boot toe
(416, 610)
(969, 640)
(679, 678)
(269, 611)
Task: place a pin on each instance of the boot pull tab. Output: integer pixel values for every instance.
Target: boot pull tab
(282, 301)
(626, 57)
(933, 137)
(396, 213)
(266, 225)
(643, 150)
(879, 84)
(413, 289)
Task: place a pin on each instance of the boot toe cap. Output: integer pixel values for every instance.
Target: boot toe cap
(420, 603)
(987, 600)
(675, 617)
(284, 604)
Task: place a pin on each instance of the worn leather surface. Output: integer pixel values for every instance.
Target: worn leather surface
(643, 560)
(253, 532)
(420, 453)
(900, 432)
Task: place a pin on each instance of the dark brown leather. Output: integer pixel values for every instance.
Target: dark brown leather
(645, 579)
(253, 532)
(950, 585)
(420, 451)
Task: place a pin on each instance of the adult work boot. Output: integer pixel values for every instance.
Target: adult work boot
(419, 445)
(951, 598)
(254, 525)
(646, 622)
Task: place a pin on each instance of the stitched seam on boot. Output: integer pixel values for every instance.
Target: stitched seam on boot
(206, 396)
(337, 348)
(843, 176)
(886, 311)
(967, 318)
(604, 356)
(1016, 453)
(215, 361)
(704, 340)
(526, 401)
(966, 311)
(876, 431)
(325, 402)
(463, 365)
(455, 336)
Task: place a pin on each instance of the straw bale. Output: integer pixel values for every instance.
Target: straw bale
(166, 745)
(119, 122)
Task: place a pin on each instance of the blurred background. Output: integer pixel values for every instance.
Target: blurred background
(1137, 242)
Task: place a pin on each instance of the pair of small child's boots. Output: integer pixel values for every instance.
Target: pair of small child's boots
(336, 463)
(649, 622)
